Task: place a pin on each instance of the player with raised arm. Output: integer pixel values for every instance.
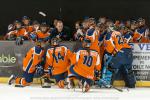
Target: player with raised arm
(19, 33)
(42, 34)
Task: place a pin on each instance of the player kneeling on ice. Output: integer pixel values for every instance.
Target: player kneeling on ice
(31, 65)
(57, 59)
(84, 63)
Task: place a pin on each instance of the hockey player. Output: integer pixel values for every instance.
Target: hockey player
(32, 35)
(57, 58)
(141, 34)
(36, 26)
(106, 39)
(124, 57)
(31, 65)
(93, 35)
(42, 34)
(118, 57)
(19, 33)
(26, 24)
(83, 64)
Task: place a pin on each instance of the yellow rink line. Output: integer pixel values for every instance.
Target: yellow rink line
(116, 83)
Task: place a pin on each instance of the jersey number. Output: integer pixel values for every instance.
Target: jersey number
(59, 57)
(88, 60)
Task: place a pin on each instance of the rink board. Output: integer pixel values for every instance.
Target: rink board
(11, 57)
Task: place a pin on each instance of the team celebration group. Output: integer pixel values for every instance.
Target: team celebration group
(103, 51)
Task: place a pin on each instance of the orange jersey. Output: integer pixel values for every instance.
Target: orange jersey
(127, 38)
(20, 32)
(141, 36)
(58, 58)
(41, 35)
(93, 35)
(109, 45)
(118, 40)
(86, 62)
(114, 42)
(32, 58)
(29, 28)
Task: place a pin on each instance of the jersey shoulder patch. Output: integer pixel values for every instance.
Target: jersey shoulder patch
(90, 32)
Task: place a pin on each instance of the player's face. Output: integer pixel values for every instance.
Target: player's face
(85, 25)
(128, 23)
(142, 23)
(77, 26)
(18, 25)
(109, 23)
(36, 26)
(43, 29)
(26, 21)
(59, 26)
(102, 20)
(55, 22)
(133, 26)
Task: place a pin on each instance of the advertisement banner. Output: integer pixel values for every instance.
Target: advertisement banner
(141, 62)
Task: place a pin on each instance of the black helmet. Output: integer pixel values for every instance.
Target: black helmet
(25, 18)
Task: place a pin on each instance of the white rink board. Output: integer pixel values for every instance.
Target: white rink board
(37, 93)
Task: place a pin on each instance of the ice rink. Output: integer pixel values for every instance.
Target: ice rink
(38, 93)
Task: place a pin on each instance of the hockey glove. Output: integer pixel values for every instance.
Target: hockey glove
(39, 70)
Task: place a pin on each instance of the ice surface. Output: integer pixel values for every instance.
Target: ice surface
(35, 92)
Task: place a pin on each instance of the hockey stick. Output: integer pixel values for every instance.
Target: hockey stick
(103, 76)
(111, 86)
(120, 90)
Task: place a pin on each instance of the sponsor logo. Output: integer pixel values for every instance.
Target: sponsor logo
(144, 46)
(7, 59)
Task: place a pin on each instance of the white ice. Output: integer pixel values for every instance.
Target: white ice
(35, 92)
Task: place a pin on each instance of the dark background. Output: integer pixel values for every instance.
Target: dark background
(71, 10)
